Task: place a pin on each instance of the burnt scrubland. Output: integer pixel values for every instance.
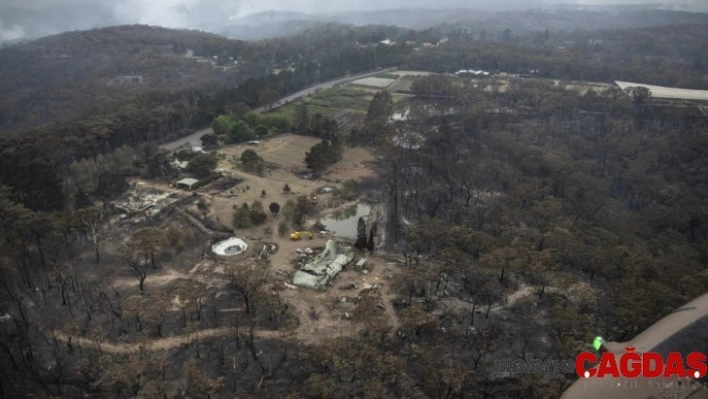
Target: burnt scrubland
(518, 215)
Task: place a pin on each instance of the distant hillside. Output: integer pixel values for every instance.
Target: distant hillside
(587, 17)
(74, 74)
(258, 29)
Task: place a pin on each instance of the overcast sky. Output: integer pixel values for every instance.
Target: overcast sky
(175, 13)
(202, 14)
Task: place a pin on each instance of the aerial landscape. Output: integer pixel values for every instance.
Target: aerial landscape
(212, 199)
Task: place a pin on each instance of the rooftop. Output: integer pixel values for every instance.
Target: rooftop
(187, 182)
(323, 267)
(668, 92)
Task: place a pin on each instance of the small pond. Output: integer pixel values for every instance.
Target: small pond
(344, 223)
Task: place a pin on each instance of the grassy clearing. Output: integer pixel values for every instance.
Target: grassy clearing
(402, 85)
(287, 111)
(287, 150)
(397, 98)
(387, 76)
(330, 102)
(341, 99)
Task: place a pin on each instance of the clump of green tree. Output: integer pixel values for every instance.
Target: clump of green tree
(202, 165)
(210, 141)
(241, 217)
(257, 213)
(252, 162)
(297, 210)
(316, 125)
(268, 97)
(361, 238)
(249, 215)
(371, 242)
(640, 95)
(235, 128)
(377, 126)
(324, 154)
(433, 86)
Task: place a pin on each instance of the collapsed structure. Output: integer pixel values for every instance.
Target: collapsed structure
(150, 202)
(322, 268)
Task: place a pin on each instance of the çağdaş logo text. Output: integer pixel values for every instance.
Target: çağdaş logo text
(631, 364)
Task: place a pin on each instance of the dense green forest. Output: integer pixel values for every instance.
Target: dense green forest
(524, 220)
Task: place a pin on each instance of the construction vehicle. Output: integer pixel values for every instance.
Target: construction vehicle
(300, 234)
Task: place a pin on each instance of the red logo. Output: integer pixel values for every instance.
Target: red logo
(647, 365)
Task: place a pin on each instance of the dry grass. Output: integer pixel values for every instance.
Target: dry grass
(379, 83)
(287, 151)
(356, 164)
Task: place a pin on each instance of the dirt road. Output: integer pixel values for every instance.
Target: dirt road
(161, 344)
(320, 313)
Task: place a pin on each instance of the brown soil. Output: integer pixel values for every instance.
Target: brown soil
(287, 150)
(322, 314)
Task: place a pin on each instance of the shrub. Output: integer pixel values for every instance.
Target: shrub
(283, 229)
(242, 218)
(274, 208)
(257, 217)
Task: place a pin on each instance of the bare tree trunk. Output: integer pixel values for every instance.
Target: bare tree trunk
(251, 344)
(96, 245)
(9, 355)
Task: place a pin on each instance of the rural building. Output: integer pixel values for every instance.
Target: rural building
(146, 202)
(187, 183)
(180, 165)
(317, 272)
(663, 94)
(466, 72)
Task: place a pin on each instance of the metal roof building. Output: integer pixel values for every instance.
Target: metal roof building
(323, 267)
(668, 93)
(187, 183)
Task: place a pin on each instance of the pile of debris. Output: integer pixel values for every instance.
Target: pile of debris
(269, 248)
(318, 271)
(148, 202)
(303, 255)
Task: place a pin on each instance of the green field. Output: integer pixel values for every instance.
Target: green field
(330, 102)
(387, 76)
(402, 85)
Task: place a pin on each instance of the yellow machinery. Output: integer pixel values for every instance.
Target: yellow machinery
(300, 234)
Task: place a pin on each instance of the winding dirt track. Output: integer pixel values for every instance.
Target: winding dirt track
(161, 344)
(303, 333)
(308, 331)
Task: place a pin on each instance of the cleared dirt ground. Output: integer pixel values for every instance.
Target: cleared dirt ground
(287, 150)
(320, 313)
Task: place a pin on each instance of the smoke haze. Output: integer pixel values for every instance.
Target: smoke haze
(32, 18)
